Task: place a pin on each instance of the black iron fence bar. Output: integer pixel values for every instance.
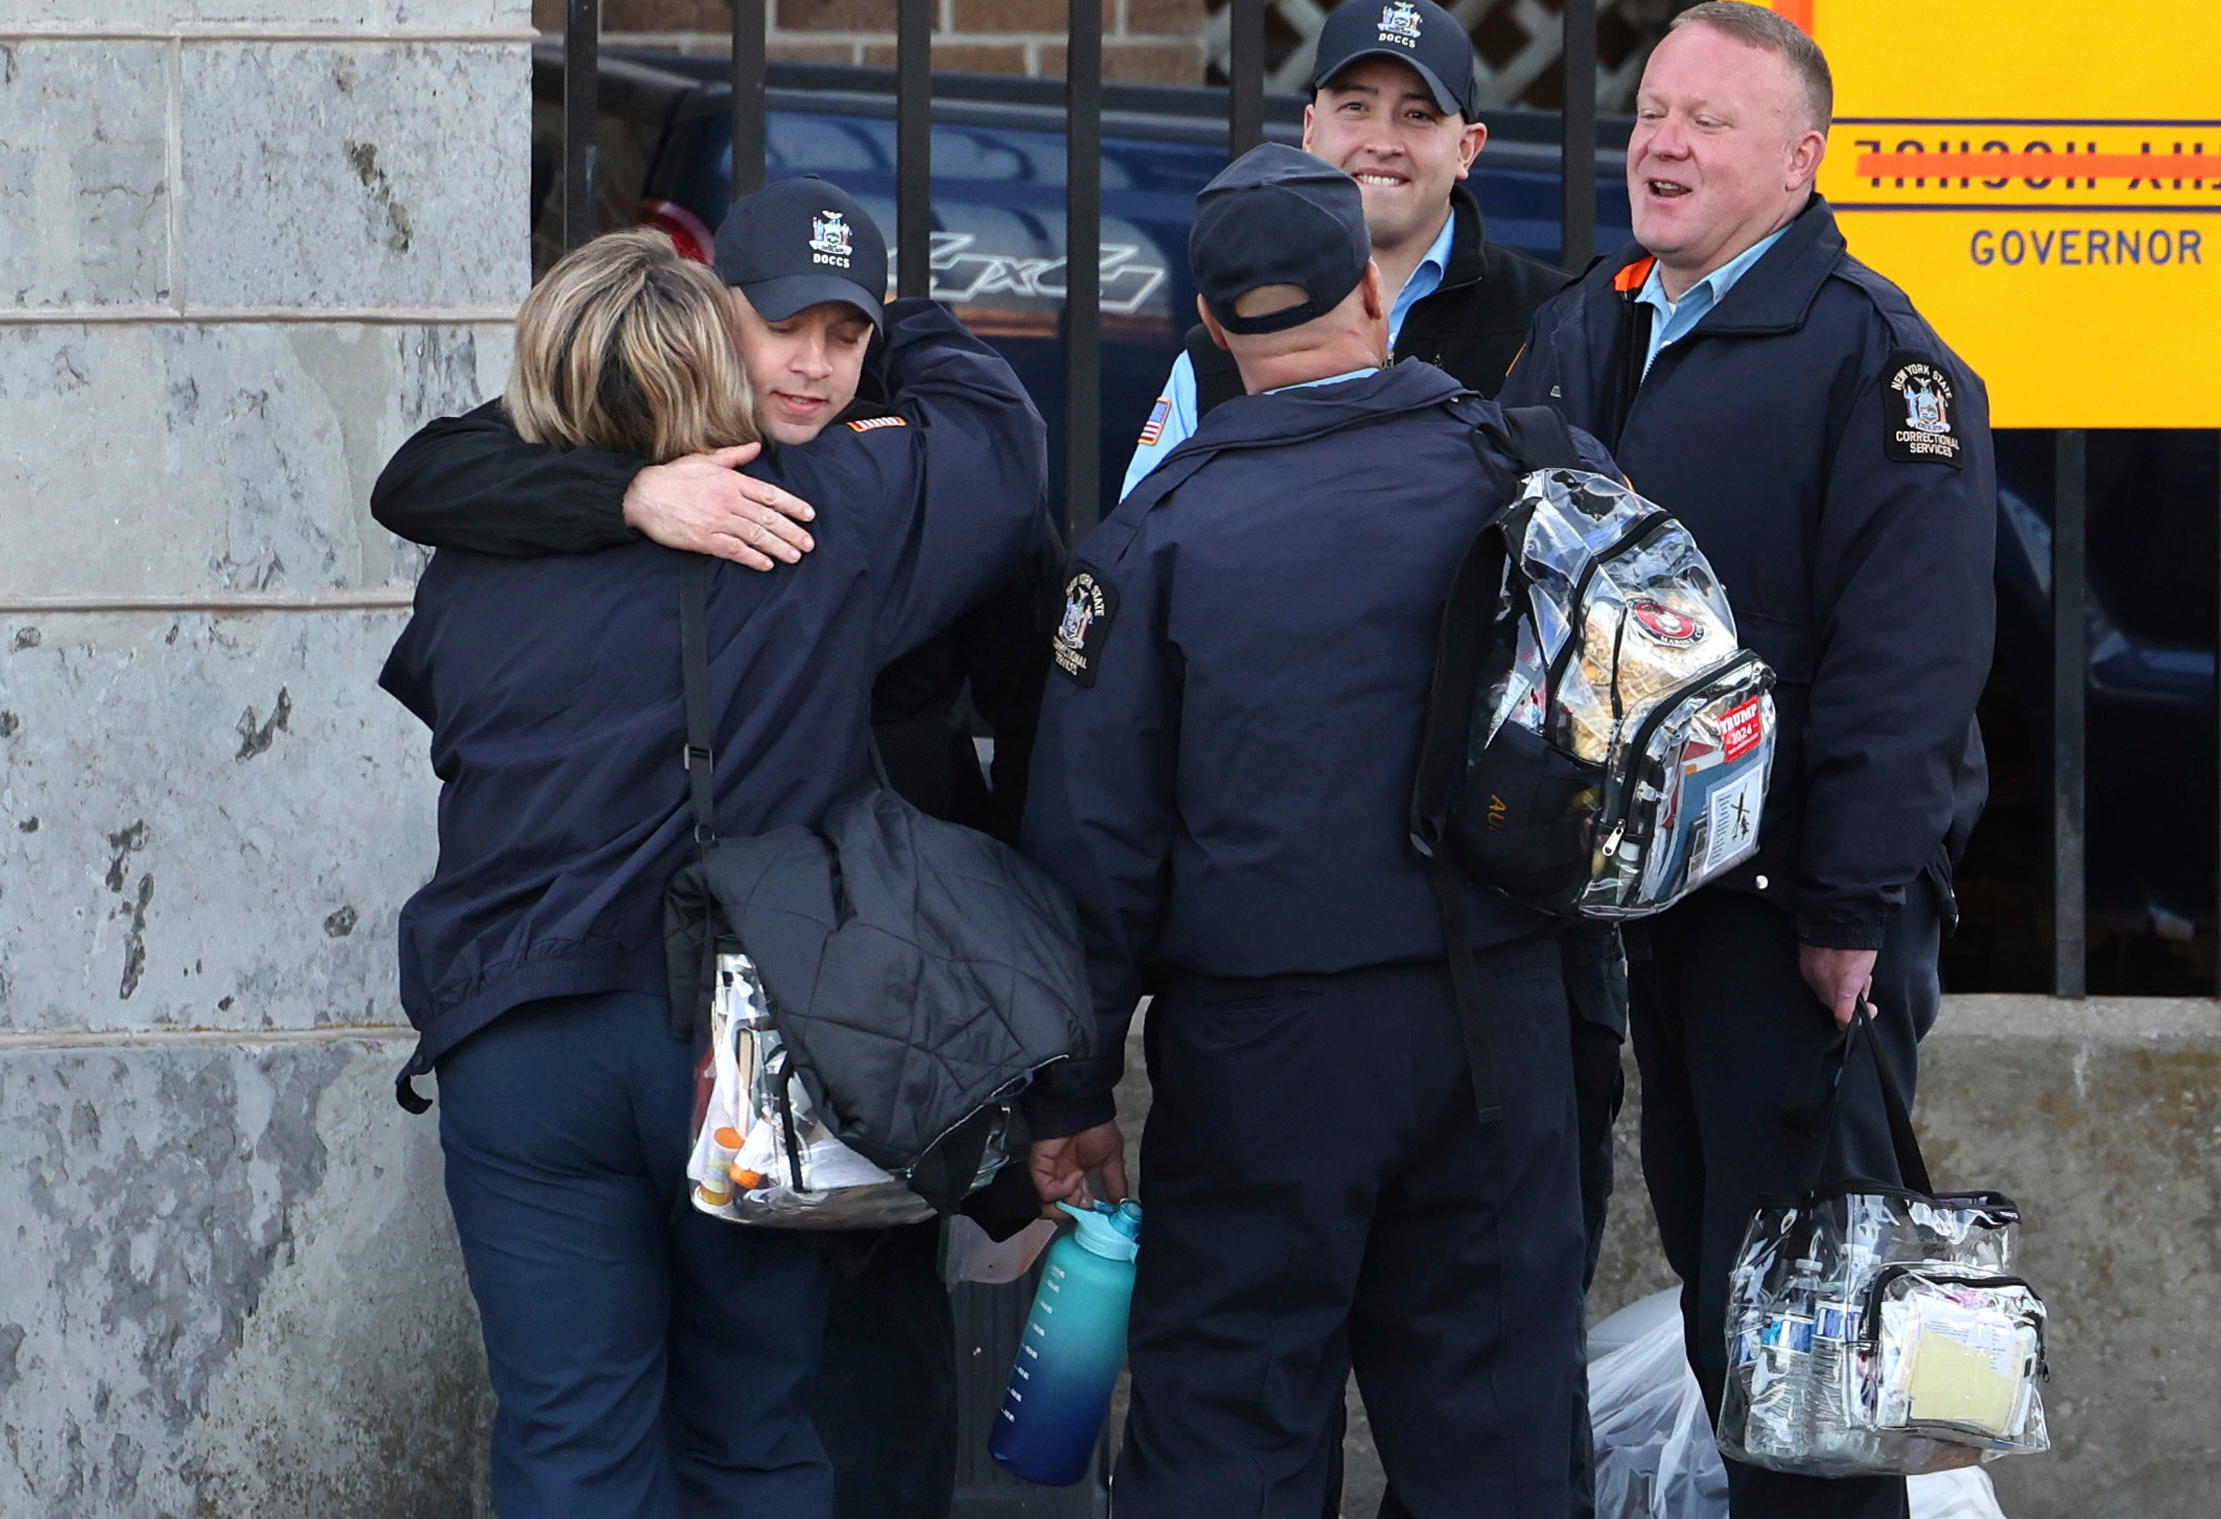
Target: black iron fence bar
(1577, 223)
(1083, 266)
(582, 38)
(1245, 76)
(2070, 657)
(751, 146)
(2217, 848)
(914, 147)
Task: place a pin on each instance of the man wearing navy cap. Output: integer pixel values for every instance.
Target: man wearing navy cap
(808, 270)
(1395, 105)
(1220, 780)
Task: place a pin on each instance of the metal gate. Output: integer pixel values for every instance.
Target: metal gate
(989, 1316)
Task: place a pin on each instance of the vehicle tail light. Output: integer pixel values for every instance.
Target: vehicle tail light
(683, 227)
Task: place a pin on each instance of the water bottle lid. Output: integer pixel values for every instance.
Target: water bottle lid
(1113, 1233)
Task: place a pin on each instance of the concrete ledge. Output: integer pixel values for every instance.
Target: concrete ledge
(2103, 1120)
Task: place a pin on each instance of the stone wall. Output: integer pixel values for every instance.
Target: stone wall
(246, 246)
(1144, 41)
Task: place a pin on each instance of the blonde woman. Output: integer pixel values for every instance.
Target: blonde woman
(650, 1360)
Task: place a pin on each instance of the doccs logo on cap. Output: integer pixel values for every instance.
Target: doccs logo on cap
(1399, 23)
(1665, 624)
(830, 240)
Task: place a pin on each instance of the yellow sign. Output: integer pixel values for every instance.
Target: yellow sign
(2043, 177)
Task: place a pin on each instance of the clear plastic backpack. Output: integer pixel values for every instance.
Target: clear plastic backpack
(1598, 742)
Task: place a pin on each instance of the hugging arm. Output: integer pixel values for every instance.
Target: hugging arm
(472, 482)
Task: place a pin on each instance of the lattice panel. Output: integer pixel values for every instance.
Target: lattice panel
(1516, 45)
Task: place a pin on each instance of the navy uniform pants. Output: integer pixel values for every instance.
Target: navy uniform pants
(650, 1361)
(885, 1401)
(1728, 1036)
(1320, 1197)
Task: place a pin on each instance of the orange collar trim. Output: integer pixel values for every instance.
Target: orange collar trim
(1630, 279)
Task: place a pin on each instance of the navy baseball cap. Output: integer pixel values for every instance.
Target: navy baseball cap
(800, 243)
(1417, 32)
(1278, 216)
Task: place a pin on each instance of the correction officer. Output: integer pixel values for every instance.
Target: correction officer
(1221, 779)
(1832, 457)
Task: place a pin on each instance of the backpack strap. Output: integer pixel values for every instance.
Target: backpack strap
(1466, 621)
(1537, 438)
(1217, 378)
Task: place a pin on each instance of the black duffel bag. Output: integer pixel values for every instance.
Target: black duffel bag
(918, 972)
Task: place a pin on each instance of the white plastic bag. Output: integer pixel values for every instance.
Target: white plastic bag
(1655, 1457)
(1962, 1494)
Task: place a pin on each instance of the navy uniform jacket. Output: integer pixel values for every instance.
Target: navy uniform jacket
(1224, 764)
(553, 692)
(471, 482)
(1832, 458)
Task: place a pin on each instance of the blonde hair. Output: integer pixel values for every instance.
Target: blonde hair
(627, 347)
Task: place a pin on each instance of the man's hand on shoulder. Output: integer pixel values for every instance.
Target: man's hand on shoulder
(701, 505)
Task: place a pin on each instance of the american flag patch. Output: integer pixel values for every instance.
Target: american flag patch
(866, 424)
(1153, 429)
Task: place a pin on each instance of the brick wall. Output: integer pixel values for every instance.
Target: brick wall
(1148, 41)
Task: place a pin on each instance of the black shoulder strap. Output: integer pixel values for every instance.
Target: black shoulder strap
(1467, 618)
(1217, 378)
(1537, 438)
(700, 760)
(698, 756)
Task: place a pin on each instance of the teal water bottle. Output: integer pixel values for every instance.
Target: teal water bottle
(1074, 1343)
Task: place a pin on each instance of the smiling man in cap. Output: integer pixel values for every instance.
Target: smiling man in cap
(1395, 105)
(1221, 780)
(1833, 457)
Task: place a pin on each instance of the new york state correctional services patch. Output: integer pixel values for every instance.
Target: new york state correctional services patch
(1089, 605)
(1920, 412)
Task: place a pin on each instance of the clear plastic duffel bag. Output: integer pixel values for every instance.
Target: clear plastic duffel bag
(761, 1154)
(1877, 1329)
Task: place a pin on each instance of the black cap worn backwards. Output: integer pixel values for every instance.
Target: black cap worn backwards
(1417, 32)
(1278, 216)
(802, 242)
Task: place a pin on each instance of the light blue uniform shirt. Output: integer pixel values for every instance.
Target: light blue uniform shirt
(1172, 420)
(1332, 379)
(1676, 318)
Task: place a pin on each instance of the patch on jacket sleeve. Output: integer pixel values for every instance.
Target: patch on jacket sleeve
(866, 424)
(1089, 605)
(1920, 414)
(1153, 429)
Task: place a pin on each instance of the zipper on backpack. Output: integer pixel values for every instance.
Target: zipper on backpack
(1650, 724)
